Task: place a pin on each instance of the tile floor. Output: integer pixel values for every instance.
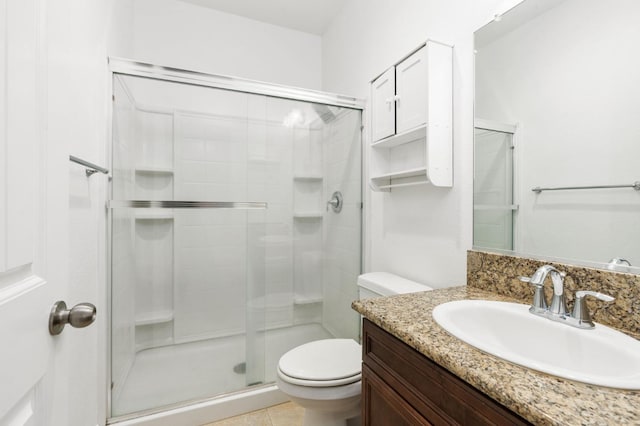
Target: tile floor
(288, 414)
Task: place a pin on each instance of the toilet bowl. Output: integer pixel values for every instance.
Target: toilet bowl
(324, 376)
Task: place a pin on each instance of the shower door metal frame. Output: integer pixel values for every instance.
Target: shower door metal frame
(197, 78)
(122, 66)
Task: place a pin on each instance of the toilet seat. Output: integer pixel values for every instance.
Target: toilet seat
(322, 363)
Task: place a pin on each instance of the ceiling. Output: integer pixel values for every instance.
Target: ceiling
(310, 16)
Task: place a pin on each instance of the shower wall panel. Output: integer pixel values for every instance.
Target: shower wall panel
(210, 249)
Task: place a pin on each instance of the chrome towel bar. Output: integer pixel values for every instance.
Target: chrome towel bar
(635, 185)
(90, 167)
(153, 204)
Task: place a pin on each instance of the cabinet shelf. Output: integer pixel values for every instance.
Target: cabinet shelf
(409, 136)
(410, 177)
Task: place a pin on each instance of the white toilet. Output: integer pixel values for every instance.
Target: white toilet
(324, 376)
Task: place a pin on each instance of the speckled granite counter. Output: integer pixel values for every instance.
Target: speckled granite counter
(538, 397)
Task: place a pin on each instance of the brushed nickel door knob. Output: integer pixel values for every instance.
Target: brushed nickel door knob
(81, 315)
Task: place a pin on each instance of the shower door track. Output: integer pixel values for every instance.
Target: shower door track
(171, 204)
(198, 78)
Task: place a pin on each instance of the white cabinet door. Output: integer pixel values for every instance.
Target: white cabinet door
(411, 91)
(383, 113)
(36, 374)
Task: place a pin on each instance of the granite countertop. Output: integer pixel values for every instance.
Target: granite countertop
(540, 398)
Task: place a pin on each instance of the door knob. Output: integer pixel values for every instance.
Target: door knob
(81, 315)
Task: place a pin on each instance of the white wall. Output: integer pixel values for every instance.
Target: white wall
(77, 86)
(422, 232)
(184, 35)
(575, 94)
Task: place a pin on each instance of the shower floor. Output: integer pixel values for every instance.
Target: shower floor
(189, 371)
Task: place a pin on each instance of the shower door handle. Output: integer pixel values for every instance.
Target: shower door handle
(81, 315)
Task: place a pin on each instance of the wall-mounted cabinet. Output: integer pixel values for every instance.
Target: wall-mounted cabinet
(411, 120)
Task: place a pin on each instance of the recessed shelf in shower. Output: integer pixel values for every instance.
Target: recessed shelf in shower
(152, 169)
(308, 177)
(307, 215)
(150, 214)
(306, 299)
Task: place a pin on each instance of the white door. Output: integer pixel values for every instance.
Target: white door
(37, 372)
(411, 91)
(383, 90)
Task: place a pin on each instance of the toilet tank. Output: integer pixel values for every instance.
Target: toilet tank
(378, 284)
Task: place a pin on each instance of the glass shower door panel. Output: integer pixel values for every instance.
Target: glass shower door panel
(153, 365)
(342, 248)
(312, 256)
(187, 322)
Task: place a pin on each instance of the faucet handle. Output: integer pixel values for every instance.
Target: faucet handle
(581, 315)
(604, 297)
(539, 304)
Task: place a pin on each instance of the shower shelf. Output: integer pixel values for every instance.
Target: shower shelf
(154, 215)
(152, 169)
(303, 299)
(154, 318)
(308, 215)
(307, 177)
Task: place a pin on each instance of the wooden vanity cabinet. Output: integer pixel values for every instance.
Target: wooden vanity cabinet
(400, 387)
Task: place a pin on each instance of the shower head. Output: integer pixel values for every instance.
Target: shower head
(324, 112)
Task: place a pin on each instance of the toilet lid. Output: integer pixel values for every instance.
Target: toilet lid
(329, 359)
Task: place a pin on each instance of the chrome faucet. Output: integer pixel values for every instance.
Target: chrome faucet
(580, 316)
(558, 308)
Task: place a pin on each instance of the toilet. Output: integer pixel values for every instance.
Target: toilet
(324, 376)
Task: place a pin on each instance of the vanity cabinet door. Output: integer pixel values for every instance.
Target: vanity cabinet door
(400, 381)
(381, 406)
(383, 90)
(411, 91)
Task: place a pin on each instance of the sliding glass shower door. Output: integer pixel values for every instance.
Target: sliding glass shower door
(224, 254)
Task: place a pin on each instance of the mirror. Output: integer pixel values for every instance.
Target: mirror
(557, 132)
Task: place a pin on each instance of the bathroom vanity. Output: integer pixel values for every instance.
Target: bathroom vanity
(415, 373)
(403, 387)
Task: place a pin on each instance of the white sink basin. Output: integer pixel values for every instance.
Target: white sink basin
(600, 356)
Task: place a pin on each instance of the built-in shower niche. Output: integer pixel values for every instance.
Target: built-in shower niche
(154, 228)
(308, 211)
(154, 282)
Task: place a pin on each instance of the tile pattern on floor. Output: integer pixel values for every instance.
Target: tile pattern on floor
(287, 414)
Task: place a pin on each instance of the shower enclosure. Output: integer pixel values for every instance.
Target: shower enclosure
(226, 248)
